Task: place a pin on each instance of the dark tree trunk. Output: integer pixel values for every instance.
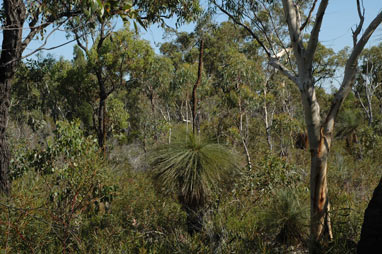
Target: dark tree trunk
(194, 99)
(371, 234)
(4, 151)
(11, 51)
(101, 128)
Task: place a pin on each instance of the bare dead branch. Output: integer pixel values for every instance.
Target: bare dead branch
(361, 14)
(350, 69)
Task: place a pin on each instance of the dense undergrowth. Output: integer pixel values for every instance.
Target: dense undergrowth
(67, 198)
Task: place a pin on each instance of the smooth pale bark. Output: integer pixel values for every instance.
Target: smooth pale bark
(367, 108)
(243, 136)
(247, 154)
(319, 132)
(319, 141)
(167, 117)
(267, 119)
(320, 135)
(319, 145)
(370, 87)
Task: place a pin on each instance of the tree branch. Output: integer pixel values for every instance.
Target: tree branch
(79, 43)
(238, 22)
(40, 48)
(313, 40)
(36, 29)
(294, 30)
(285, 50)
(274, 62)
(309, 16)
(358, 29)
(51, 48)
(350, 69)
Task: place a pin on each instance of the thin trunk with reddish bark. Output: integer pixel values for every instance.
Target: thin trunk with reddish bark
(101, 126)
(194, 100)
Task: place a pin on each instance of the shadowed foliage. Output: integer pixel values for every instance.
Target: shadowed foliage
(371, 229)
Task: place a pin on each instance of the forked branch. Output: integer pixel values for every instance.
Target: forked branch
(350, 69)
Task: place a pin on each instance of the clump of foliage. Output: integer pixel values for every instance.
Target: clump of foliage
(58, 190)
(65, 148)
(287, 217)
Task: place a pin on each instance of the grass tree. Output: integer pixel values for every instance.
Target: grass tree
(191, 168)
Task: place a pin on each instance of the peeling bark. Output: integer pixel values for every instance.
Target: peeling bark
(319, 132)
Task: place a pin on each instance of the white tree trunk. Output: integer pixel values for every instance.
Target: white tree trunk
(319, 132)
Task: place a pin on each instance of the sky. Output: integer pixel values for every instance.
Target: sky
(340, 17)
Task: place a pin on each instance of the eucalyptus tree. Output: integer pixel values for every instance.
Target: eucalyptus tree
(101, 29)
(111, 59)
(285, 36)
(183, 54)
(236, 76)
(202, 29)
(22, 21)
(36, 89)
(154, 81)
(77, 91)
(368, 83)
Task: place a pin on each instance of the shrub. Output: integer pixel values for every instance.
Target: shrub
(286, 217)
(60, 190)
